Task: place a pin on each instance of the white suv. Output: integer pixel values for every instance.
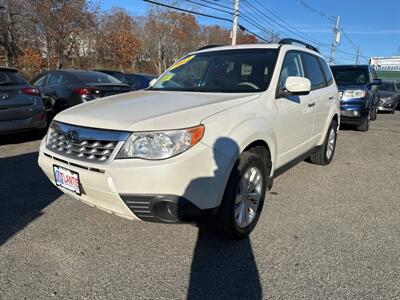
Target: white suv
(204, 141)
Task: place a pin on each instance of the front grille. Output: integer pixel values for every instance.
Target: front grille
(82, 143)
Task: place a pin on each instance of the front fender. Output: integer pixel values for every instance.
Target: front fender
(239, 137)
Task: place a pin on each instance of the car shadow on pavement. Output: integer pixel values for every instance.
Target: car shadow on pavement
(21, 137)
(24, 193)
(221, 268)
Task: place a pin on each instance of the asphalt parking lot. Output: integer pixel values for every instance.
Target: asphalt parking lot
(325, 232)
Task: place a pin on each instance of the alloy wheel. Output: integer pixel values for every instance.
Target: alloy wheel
(248, 197)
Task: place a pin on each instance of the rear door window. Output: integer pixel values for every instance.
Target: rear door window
(56, 79)
(313, 71)
(327, 71)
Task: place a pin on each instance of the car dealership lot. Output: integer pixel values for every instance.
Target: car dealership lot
(325, 232)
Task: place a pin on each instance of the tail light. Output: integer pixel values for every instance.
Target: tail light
(31, 91)
(87, 91)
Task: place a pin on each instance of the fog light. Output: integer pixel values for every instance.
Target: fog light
(355, 113)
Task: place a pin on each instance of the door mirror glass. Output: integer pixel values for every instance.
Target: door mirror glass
(297, 85)
(377, 82)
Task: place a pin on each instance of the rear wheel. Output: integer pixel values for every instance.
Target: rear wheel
(365, 124)
(324, 155)
(243, 198)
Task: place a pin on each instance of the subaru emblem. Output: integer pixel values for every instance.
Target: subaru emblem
(73, 136)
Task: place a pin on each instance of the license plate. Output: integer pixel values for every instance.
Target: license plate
(67, 179)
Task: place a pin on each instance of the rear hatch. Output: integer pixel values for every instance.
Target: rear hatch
(16, 97)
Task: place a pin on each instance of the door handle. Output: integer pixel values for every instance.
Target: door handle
(311, 104)
(330, 98)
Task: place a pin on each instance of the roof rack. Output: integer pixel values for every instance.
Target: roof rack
(208, 47)
(289, 41)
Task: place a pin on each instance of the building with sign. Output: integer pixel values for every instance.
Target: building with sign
(386, 67)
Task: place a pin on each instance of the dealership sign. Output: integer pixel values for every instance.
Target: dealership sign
(386, 63)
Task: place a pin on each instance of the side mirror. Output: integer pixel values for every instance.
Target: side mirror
(297, 86)
(377, 82)
(152, 82)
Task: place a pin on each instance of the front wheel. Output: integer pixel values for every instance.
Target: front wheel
(324, 155)
(243, 197)
(365, 124)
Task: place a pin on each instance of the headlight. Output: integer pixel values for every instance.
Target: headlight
(350, 94)
(49, 134)
(160, 144)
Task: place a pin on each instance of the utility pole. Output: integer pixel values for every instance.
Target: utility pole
(358, 55)
(336, 39)
(235, 22)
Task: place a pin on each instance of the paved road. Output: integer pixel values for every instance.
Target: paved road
(325, 232)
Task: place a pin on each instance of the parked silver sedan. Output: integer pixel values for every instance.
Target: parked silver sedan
(21, 107)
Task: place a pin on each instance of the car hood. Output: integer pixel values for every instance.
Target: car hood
(151, 110)
(386, 94)
(352, 87)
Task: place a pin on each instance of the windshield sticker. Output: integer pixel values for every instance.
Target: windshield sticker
(182, 62)
(166, 77)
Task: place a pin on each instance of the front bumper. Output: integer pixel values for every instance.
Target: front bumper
(353, 114)
(179, 189)
(386, 105)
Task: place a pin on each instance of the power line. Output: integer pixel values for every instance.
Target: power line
(204, 15)
(188, 11)
(261, 19)
(317, 11)
(208, 6)
(288, 26)
(217, 4)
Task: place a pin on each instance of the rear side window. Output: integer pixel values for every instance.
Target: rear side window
(41, 81)
(57, 79)
(96, 77)
(10, 78)
(292, 66)
(313, 71)
(327, 71)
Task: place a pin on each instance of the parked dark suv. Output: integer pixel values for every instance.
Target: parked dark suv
(61, 89)
(358, 87)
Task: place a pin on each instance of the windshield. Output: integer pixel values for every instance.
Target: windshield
(11, 78)
(350, 76)
(228, 71)
(96, 77)
(386, 86)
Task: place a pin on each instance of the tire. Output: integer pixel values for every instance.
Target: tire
(365, 124)
(374, 114)
(238, 215)
(324, 155)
